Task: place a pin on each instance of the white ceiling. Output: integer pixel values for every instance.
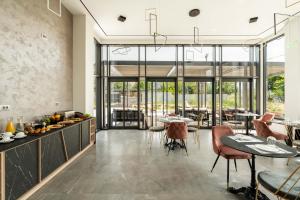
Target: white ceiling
(219, 19)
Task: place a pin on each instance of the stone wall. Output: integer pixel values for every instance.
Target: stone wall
(35, 59)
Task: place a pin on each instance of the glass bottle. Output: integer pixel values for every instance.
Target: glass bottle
(20, 124)
(10, 127)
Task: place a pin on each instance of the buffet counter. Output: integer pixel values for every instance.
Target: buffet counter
(27, 164)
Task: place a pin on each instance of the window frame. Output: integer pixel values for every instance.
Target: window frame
(264, 76)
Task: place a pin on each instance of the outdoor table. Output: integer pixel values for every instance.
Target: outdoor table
(247, 117)
(250, 191)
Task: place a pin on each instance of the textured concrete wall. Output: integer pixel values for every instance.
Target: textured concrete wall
(35, 72)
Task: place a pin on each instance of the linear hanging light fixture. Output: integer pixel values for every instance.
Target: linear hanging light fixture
(196, 35)
(156, 35)
(152, 17)
(287, 5)
(275, 22)
(121, 51)
(153, 31)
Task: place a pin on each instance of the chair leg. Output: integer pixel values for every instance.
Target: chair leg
(287, 163)
(256, 193)
(184, 146)
(186, 142)
(151, 139)
(161, 137)
(215, 163)
(170, 146)
(249, 164)
(235, 165)
(198, 139)
(148, 137)
(228, 172)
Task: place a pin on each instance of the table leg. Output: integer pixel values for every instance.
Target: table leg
(247, 125)
(250, 192)
(253, 173)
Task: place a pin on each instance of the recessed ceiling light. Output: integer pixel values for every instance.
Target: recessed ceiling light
(253, 20)
(122, 18)
(194, 12)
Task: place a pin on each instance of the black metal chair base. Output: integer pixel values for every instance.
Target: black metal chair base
(248, 192)
(174, 144)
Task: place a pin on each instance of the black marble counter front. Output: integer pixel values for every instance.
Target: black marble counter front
(29, 161)
(85, 134)
(52, 153)
(72, 140)
(21, 170)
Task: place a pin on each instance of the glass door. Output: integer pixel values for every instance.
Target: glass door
(161, 100)
(236, 98)
(199, 100)
(124, 112)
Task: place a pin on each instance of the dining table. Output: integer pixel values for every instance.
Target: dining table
(247, 116)
(175, 119)
(292, 128)
(256, 146)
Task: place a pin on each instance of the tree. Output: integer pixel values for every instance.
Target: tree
(276, 87)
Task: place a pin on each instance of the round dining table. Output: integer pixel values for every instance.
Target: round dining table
(168, 120)
(250, 147)
(175, 119)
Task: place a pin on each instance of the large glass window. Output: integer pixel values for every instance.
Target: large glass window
(161, 62)
(141, 83)
(274, 66)
(236, 61)
(124, 61)
(199, 61)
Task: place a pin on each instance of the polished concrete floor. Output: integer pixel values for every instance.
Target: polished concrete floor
(121, 167)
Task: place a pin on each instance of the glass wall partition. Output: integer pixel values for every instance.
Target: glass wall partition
(238, 74)
(184, 79)
(235, 98)
(199, 100)
(124, 112)
(160, 100)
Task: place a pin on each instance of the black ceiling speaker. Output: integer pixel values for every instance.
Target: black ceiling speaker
(253, 20)
(122, 18)
(194, 12)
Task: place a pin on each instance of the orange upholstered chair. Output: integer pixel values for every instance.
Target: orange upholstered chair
(263, 130)
(177, 131)
(267, 118)
(221, 150)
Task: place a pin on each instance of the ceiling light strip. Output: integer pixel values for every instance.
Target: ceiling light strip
(293, 15)
(275, 23)
(287, 6)
(93, 18)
